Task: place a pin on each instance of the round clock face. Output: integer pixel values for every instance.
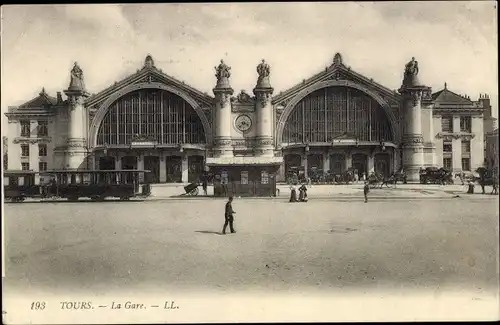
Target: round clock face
(243, 123)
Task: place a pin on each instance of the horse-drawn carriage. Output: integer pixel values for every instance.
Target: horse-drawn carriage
(434, 175)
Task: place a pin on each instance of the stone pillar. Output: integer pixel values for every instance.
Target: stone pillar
(476, 143)
(370, 163)
(222, 125)
(140, 166)
(75, 153)
(348, 160)
(185, 169)
(163, 168)
(413, 151)
(456, 146)
(118, 161)
(264, 112)
(326, 161)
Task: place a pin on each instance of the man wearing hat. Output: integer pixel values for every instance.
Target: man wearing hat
(229, 216)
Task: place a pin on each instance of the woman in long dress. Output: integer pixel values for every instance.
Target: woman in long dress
(303, 193)
(293, 193)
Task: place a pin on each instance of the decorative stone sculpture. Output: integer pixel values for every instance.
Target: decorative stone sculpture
(223, 72)
(411, 74)
(264, 70)
(76, 82)
(148, 62)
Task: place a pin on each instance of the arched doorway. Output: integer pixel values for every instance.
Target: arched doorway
(174, 169)
(337, 163)
(106, 163)
(195, 164)
(382, 164)
(292, 160)
(359, 162)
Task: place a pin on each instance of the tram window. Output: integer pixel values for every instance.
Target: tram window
(20, 181)
(6, 181)
(73, 179)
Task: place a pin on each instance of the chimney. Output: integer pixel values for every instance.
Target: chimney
(59, 97)
(485, 101)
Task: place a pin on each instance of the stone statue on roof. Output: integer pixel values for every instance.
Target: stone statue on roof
(411, 74)
(411, 67)
(76, 82)
(264, 70)
(223, 72)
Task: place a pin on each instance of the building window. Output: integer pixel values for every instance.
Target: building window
(447, 124)
(447, 147)
(42, 166)
(25, 166)
(465, 124)
(42, 129)
(25, 150)
(447, 163)
(466, 164)
(42, 150)
(25, 129)
(465, 147)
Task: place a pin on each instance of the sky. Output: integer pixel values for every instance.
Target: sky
(454, 42)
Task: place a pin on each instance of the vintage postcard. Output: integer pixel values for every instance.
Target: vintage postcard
(249, 162)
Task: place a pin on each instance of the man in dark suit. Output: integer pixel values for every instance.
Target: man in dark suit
(229, 216)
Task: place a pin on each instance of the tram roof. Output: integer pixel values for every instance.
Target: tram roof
(86, 171)
(19, 172)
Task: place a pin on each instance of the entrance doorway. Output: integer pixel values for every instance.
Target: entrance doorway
(152, 163)
(337, 163)
(174, 169)
(107, 163)
(195, 168)
(382, 164)
(359, 162)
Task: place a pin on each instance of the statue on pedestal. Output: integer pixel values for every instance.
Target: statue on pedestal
(263, 69)
(76, 82)
(411, 74)
(223, 72)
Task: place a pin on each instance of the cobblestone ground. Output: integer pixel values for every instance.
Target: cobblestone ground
(341, 246)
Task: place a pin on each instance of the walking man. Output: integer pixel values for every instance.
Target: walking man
(366, 189)
(229, 216)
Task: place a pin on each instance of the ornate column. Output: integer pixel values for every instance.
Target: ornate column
(264, 111)
(75, 152)
(222, 125)
(413, 150)
(456, 146)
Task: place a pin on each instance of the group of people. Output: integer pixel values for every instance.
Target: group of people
(302, 193)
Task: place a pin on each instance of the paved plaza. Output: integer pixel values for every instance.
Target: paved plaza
(393, 246)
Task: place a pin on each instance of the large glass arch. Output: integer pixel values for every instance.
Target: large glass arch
(157, 114)
(332, 111)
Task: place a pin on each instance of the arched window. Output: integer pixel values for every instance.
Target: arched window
(156, 114)
(330, 112)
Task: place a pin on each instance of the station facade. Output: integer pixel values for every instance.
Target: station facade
(333, 121)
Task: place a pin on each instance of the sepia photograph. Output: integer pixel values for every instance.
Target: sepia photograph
(250, 162)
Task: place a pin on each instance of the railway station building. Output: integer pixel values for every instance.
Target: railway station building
(335, 120)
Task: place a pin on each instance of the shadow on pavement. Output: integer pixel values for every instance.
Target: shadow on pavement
(209, 232)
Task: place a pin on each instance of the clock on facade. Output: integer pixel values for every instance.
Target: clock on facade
(243, 123)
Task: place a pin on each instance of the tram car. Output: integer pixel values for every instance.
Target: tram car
(97, 184)
(19, 185)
